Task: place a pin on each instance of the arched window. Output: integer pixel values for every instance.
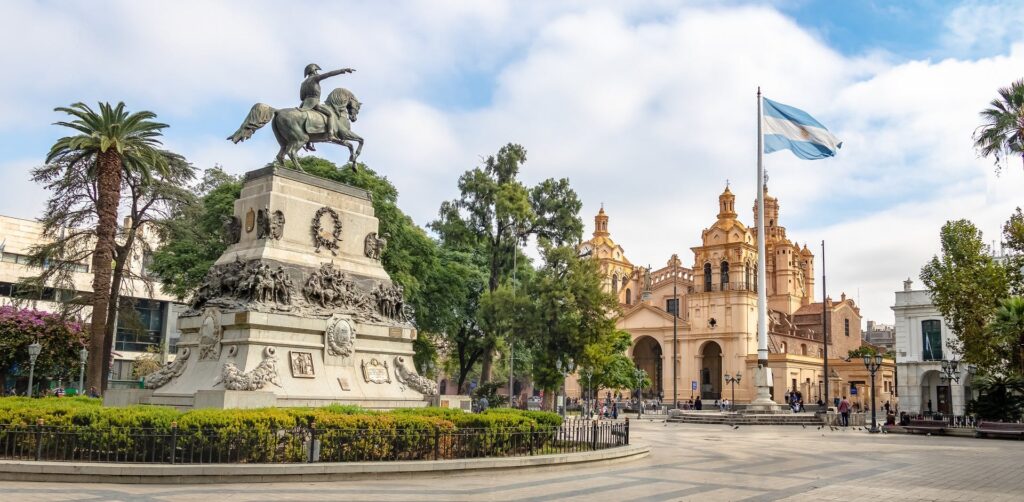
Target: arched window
(748, 282)
(615, 283)
(821, 352)
(629, 297)
(803, 349)
(724, 275)
(846, 326)
(782, 348)
(707, 277)
(444, 387)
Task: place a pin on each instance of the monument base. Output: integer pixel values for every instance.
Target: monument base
(222, 399)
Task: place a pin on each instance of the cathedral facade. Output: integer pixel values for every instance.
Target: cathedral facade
(702, 318)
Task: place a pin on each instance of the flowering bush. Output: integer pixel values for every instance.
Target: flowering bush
(61, 339)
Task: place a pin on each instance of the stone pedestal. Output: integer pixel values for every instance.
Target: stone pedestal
(298, 311)
(762, 402)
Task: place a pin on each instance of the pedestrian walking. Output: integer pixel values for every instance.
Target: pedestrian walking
(844, 412)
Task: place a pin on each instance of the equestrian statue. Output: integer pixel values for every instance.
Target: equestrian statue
(312, 122)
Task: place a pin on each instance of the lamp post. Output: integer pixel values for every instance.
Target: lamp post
(950, 372)
(675, 334)
(587, 374)
(733, 380)
(33, 352)
(82, 356)
(872, 364)
(639, 375)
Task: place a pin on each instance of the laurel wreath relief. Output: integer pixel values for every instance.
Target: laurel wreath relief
(322, 239)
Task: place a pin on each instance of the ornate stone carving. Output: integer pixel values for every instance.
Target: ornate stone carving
(210, 335)
(263, 223)
(322, 237)
(266, 372)
(250, 220)
(414, 381)
(374, 246)
(341, 337)
(242, 282)
(375, 371)
(390, 302)
(232, 230)
(169, 371)
(277, 225)
(302, 364)
(329, 287)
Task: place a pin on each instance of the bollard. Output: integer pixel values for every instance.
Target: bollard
(39, 439)
(627, 431)
(530, 440)
(593, 436)
(437, 442)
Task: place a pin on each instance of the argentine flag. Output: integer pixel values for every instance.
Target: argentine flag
(787, 127)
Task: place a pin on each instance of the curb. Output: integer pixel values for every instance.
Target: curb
(82, 472)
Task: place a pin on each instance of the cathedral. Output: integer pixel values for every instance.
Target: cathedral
(710, 310)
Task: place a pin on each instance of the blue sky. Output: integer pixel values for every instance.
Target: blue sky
(647, 106)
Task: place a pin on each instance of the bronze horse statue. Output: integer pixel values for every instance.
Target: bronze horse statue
(295, 127)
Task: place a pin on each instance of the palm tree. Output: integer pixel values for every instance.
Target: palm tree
(1008, 326)
(118, 141)
(1002, 134)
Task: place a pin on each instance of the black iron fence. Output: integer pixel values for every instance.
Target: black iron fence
(174, 445)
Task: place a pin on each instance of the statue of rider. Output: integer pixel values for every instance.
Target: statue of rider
(309, 92)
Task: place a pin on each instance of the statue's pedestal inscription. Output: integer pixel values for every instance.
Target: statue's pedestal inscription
(296, 312)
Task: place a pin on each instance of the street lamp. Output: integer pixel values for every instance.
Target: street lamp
(872, 364)
(33, 352)
(951, 372)
(733, 380)
(82, 356)
(639, 374)
(587, 374)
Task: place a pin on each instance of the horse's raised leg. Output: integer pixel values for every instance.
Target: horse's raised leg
(293, 154)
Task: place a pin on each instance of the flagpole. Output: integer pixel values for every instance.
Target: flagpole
(824, 323)
(762, 378)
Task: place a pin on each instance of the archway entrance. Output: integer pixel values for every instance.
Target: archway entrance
(711, 371)
(647, 356)
(935, 394)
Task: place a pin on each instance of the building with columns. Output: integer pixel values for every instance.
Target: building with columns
(715, 298)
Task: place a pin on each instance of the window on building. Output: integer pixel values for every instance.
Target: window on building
(782, 347)
(724, 275)
(672, 306)
(821, 352)
(931, 335)
(147, 263)
(615, 284)
(846, 326)
(707, 277)
(629, 297)
(803, 349)
(140, 325)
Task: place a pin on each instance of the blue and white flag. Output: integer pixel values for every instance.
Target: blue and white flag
(785, 127)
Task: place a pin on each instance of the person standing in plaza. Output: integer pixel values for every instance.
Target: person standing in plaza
(698, 405)
(844, 412)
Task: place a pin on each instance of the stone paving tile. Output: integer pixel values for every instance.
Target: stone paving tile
(687, 462)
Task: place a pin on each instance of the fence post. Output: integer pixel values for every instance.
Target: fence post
(313, 453)
(627, 430)
(39, 439)
(437, 442)
(174, 441)
(530, 440)
(593, 435)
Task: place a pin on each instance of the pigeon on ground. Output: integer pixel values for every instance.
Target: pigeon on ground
(737, 427)
(804, 426)
(820, 426)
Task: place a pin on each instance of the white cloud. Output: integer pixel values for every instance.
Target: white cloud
(648, 108)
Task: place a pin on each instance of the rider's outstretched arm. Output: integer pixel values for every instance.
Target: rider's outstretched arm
(330, 74)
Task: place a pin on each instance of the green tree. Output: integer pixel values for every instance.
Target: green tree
(569, 313)
(1000, 397)
(193, 236)
(496, 211)
(1002, 134)
(118, 140)
(966, 284)
(61, 339)
(1007, 332)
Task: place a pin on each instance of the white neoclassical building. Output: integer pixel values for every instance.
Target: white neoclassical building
(921, 346)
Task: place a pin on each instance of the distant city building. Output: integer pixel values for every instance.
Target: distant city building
(152, 326)
(880, 335)
(922, 343)
(717, 309)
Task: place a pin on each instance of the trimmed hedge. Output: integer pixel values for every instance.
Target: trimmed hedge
(280, 434)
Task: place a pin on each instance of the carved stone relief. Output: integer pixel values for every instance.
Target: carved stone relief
(340, 336)
(171, 370)
(232, 230)
(329, 237)
(414, 381)
(210, 335)
(375, 371)
(263, 223)
(374, 246)
(277, 225)
(250, 220)
(266, 372)
(246, 282)
(302, 364)
(390, 302)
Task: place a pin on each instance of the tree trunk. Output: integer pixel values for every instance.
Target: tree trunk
(121, 256)
(108, 196)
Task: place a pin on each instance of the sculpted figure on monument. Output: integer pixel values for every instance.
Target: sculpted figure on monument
(171, 370)
(312, 122)
(239, 283)
(266, 372)
(232, 230)
(277, 225)
(374, 246)
(415, 382)
(263, 223)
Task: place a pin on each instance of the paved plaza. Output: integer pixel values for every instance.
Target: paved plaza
(687, 462)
